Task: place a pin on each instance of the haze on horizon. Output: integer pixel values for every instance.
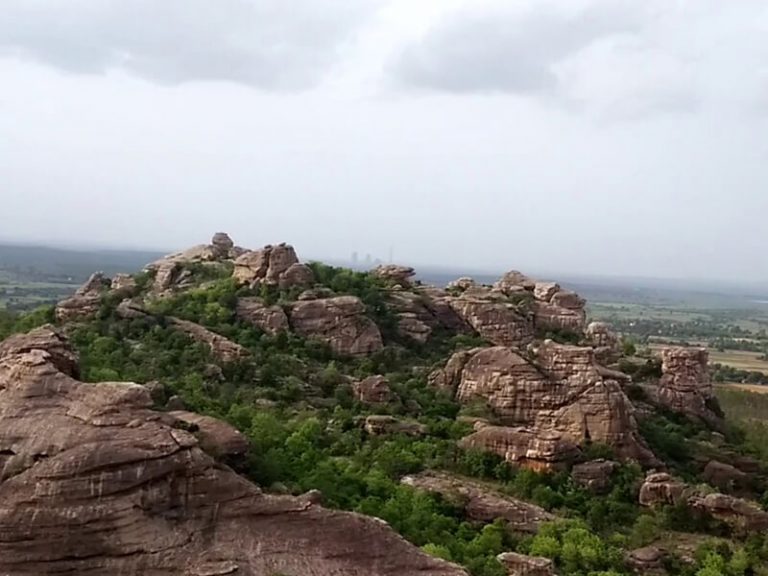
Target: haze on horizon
(583, 136)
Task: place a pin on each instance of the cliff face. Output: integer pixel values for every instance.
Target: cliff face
(93, 482)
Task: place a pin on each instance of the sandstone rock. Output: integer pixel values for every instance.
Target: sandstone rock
(296, 275)
(270, 319)
(743, 516)
(525, 447)
(217, 438)
(449, 377)
(480, 503)
(124, 283)
(175, 403)
(514, 281)
(500, 323)
(726, 477)
(422, 312)
(595, 475)
(605, 342)
(273, 265)
(410, 326)
(662, 489)
(223, 348)
(461, 284)
(222, 245)
(400, 275)
(381, 425)
(550, 317)
(545, 290)
(86, 301)
(340, 322)
(130, 310)
(521, 565)
(94, 482)
(558, 388)
(685, 386)
(373, 390)
(317, 293)
(649, 560)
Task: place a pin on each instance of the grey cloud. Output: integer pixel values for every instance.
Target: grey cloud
(271, 44)
(506, 51)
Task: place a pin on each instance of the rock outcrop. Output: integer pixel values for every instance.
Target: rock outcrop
(521, 565)
(340, 322)
(270, 319)
(685, 385)
(661, 489)
(422, 312)
(273, 265)
(392, 273)
(94, 482)
(741, 515)
(372, 390)
(498, 321)
(594, 475)
(648, 560)
(216, 438)
(223, 348)
(383, 424)
(726, 477)
(605, 341)
(534, 449)
(85, 302)
(554, 388)
(481, 504)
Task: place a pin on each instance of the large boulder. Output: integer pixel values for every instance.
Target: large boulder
(340, 322)
(498, 321)
(743, 516)
(373, 390)
(521, 565)
(554, 387)
(94, 482)
(86, 301)
(605, 341)
(422, 312)
(480, 503)
(685, 385)
(395, 274)
(273, 265)
(222, 348)
(594, 475)
(660, 489)
(270, 319)
(525, 447)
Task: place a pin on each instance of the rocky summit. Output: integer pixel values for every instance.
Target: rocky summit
(237, 411)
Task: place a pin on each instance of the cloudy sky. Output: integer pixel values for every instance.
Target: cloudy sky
(580, 136)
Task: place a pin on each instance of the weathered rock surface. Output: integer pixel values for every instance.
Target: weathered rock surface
(743, 516)
(383, 424)
(556, 388)
(399, 275)
(340, 322)
(273, 265)
(605, 341)
(534, 449)
(480, 503)
(499, 322)
(270, 319)
(85, 302)
(373, 390)
(648, 560)
(662, 489)
(216, 438)
(420, 313)
(726, 477)
(93, 482)
(123, 283)
(685, 385)
(521, 565)
(223, 348)
(595, 475)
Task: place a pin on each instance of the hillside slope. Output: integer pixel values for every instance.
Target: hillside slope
(488, 425)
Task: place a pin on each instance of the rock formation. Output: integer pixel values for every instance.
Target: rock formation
(662, 489)
(498, 321)
(340, 322)
(741, 515)
(273, 265)
(534, 449)
(223, 348)
(85, 302)
(270, 319)
(594, 475)
(726, 477)
(685, 386)
(648, 560)
(557, 388)
(481, 504)
(372, 390)
(94, 482)
(605, 342)
(521, 565)
(382, 425)
(398, 275)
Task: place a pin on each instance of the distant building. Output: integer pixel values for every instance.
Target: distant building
(354, 257)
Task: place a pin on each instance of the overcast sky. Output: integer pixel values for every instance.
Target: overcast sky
(581, 136)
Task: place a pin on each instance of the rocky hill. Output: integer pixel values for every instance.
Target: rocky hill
(233, 411)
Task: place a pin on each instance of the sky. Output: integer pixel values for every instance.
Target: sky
(609, 137)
